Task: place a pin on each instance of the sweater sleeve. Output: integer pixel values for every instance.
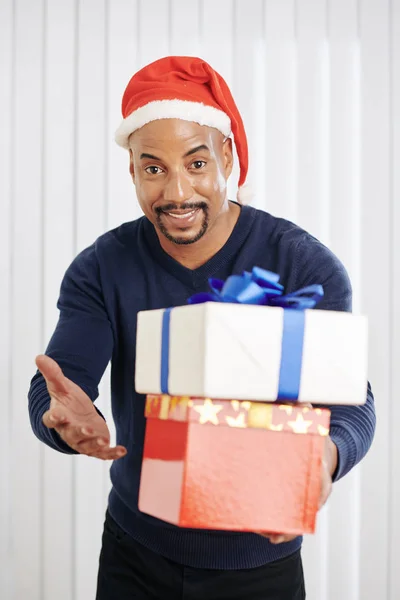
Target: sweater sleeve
(81, 344)
(352, 427)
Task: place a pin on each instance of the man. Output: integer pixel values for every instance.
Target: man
(178, 118)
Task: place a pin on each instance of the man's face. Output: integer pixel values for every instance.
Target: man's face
(180, 171)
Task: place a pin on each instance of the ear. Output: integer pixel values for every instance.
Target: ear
(131, 166)
(228, 157)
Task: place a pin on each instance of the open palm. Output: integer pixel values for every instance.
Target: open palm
(73, 415)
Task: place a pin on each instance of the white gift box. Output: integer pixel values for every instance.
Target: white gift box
(248, 352)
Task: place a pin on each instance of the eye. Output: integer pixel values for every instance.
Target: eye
(198, 164)
(153, 170)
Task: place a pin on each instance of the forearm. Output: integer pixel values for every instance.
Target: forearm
(352, 431)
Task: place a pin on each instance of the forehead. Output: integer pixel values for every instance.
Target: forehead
(174, 134)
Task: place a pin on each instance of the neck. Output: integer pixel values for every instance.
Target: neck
(193, 256)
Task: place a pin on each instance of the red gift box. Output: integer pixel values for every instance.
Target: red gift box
(231, 465)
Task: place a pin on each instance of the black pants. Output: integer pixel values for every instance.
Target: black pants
(129, 570)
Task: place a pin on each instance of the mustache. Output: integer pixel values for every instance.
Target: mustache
(186, 206)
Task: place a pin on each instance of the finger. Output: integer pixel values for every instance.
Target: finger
(325, 493)
(264, 534)
(270, 535)
(277, 539)
(92, 444)
(326, 484)
(109, 453)
(77, 435)
(55, 379)
(281, 538)
(53, 419)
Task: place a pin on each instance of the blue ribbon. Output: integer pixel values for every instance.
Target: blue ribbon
(165, 350)
(291, 355)
(260, 287)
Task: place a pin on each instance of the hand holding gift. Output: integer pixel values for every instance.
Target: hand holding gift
(328, 467)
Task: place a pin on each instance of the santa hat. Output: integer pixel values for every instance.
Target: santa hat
(188, 88)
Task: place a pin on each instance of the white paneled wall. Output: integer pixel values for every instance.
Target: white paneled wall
(6, 73)
(394, 409)
(318, 85)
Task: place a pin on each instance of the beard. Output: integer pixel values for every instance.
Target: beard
(175, 239)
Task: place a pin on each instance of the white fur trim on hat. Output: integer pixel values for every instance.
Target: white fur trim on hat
(172, 109)
(245, 194)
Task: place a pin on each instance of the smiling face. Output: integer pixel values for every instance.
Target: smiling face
(180, 170)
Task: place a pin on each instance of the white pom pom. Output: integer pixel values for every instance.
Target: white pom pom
(245, 194)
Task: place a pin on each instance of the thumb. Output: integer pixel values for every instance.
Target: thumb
(326, 485)
(52, 373)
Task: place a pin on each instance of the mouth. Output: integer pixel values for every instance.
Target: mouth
(182, 218)
(182, 214)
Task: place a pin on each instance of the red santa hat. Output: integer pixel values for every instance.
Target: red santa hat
(188, 88)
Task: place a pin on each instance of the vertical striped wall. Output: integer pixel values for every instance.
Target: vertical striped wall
(318, 84)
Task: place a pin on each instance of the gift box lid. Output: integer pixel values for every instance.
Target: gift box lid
(239, 414)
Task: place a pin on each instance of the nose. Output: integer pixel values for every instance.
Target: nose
(178, 188)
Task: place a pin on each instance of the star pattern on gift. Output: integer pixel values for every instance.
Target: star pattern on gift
(235, 405)
(239, 414)
(273, 427)
(208, 412)
(238, 421)
(300, 425)
(287, 408)
(323, 430)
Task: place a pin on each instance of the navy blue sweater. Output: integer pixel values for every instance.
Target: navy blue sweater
(126, 271)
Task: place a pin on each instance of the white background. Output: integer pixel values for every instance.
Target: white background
(318, 84)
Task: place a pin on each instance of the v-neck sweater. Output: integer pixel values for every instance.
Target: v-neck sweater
(126, 271)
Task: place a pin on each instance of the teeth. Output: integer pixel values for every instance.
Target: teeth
(182, 216)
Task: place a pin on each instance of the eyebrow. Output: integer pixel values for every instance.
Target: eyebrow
(197, 149)
(192, 151)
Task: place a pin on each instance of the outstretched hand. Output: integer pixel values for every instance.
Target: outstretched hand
(73, 415)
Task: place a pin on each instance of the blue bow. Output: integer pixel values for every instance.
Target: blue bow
(260, 287)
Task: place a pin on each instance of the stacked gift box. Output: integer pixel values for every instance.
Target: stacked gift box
(229, 443)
